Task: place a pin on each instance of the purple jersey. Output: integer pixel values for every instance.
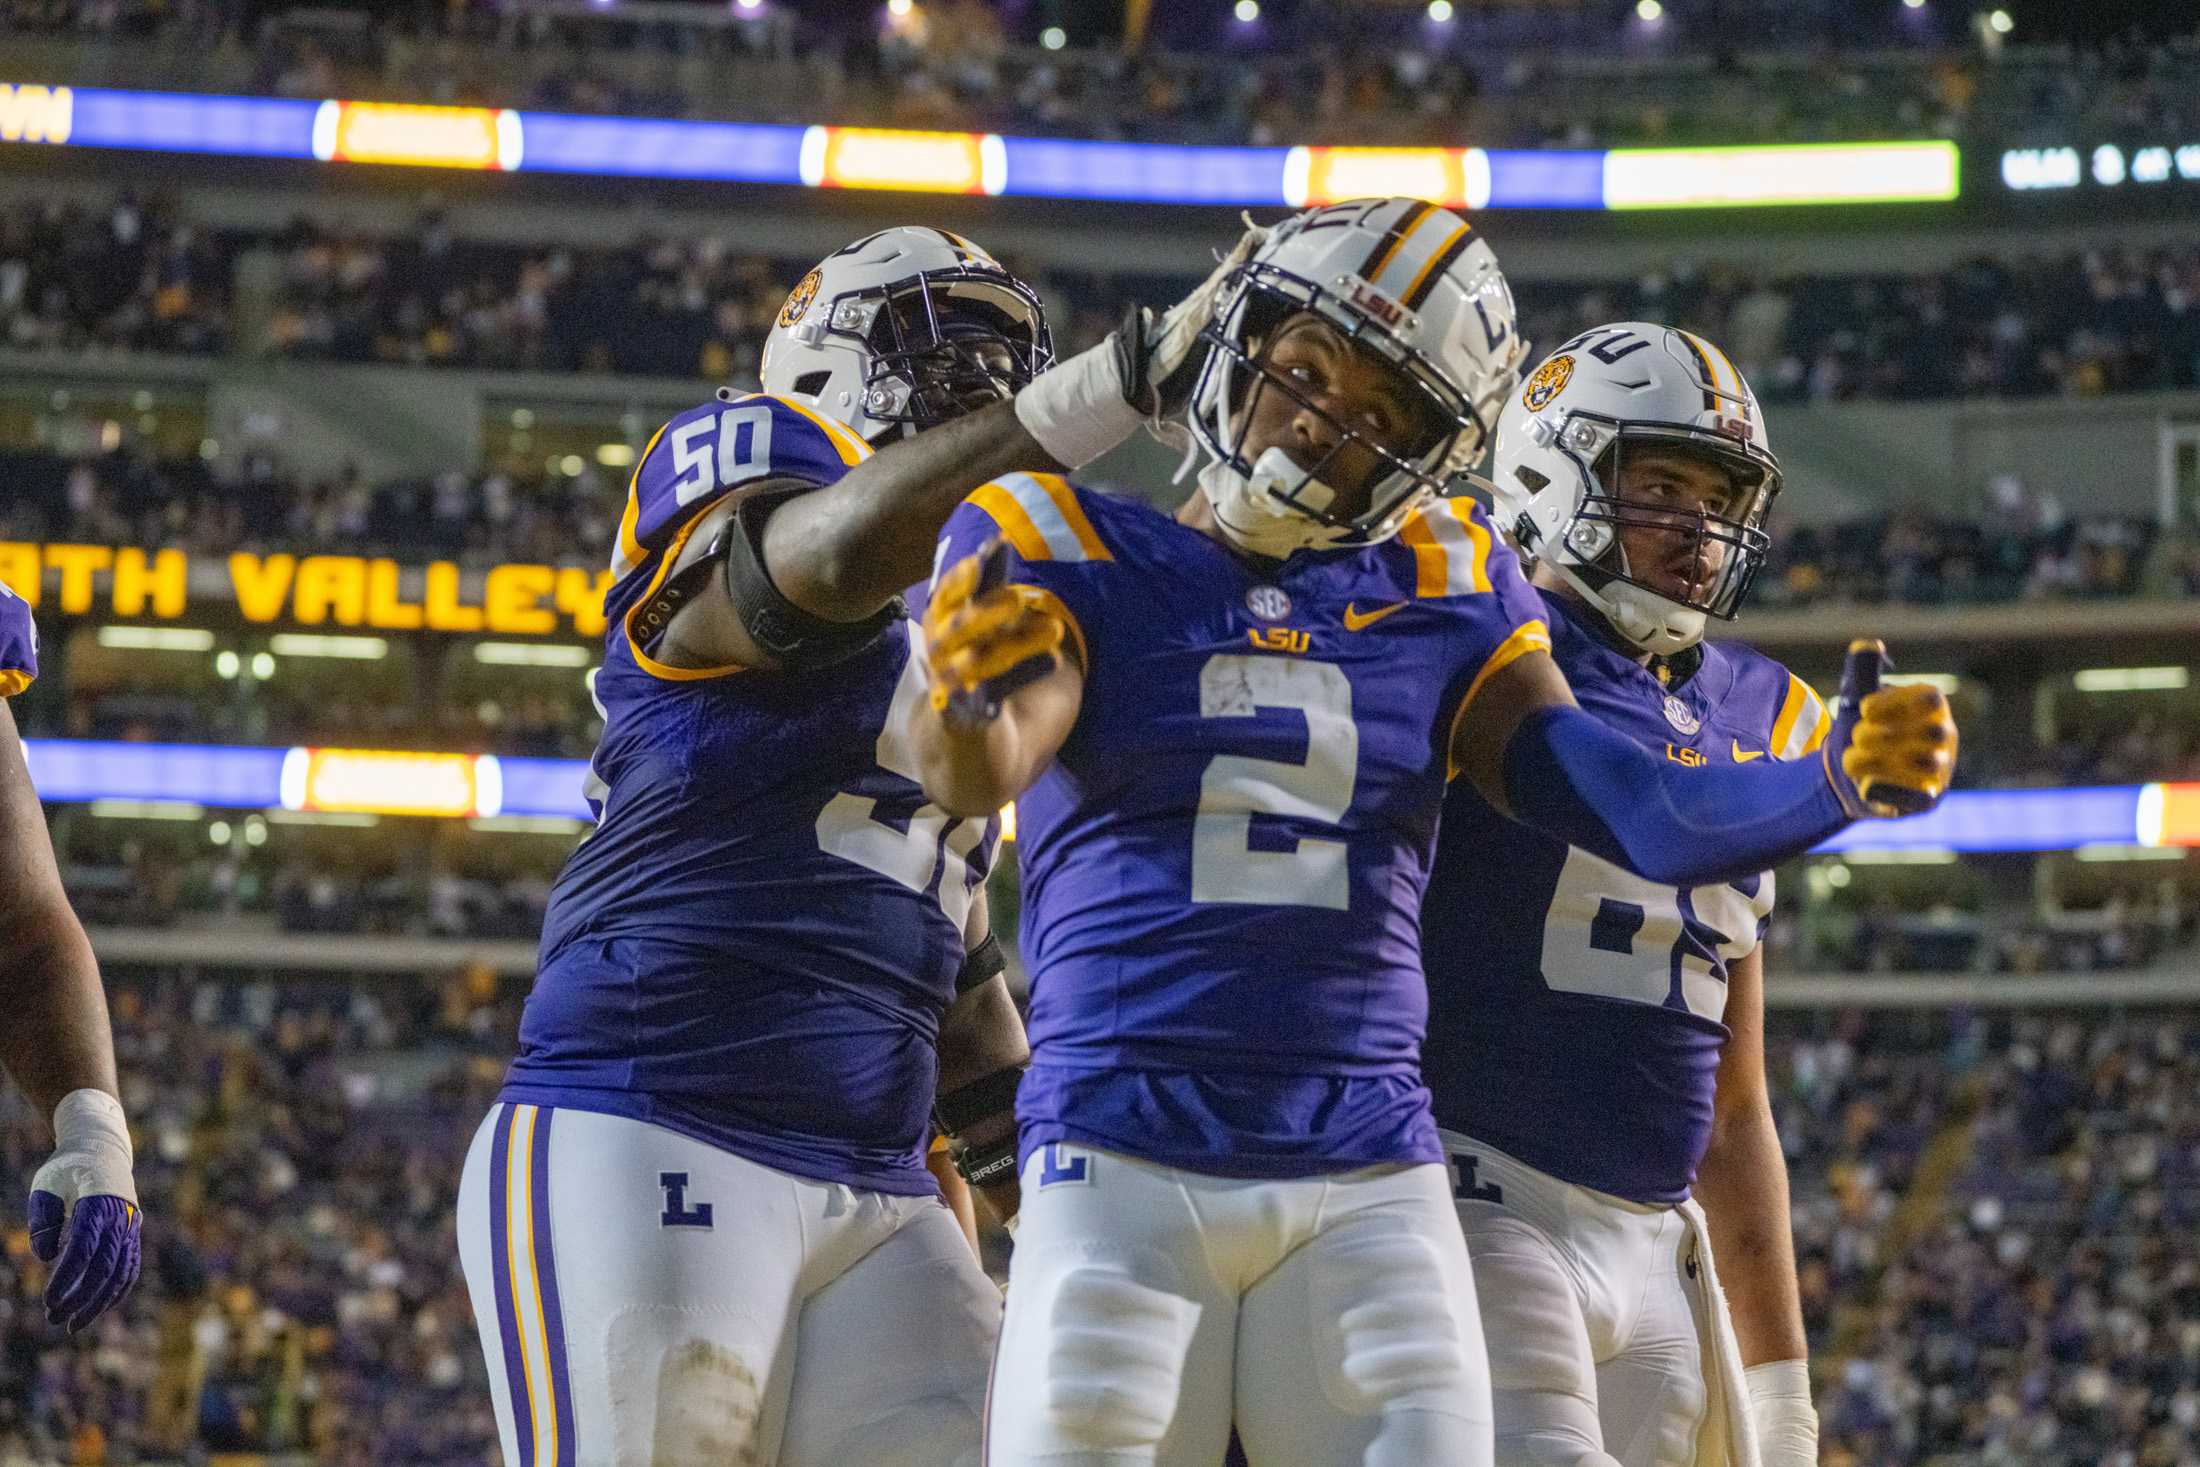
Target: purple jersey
(755, 945)
(1222, 871)
(1577, 1007)
(18, 644)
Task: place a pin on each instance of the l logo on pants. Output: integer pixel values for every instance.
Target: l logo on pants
(1055, 1170)
(677, 1213)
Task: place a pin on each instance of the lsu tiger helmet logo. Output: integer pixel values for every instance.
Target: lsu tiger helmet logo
(798, 299)
(1547, 382)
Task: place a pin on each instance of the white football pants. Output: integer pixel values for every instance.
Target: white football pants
(1333, 1316)
(1595, 1316)
(645, 1298)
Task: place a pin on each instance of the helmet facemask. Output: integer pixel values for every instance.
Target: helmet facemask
(942, 343)
(1257, 302)
(1594, 537)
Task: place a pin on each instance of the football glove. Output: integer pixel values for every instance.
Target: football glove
(1892, 751)
(1084, 405)
(984, 639)
(85, 1189)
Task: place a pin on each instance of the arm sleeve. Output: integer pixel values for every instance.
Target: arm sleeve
(1570, 776)
(1052, 547)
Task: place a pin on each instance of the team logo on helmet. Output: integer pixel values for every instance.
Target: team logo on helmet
(1548, 381)
(798, 300)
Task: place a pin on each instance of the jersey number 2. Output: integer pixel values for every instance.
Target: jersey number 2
(1235, 788)
(932, 852)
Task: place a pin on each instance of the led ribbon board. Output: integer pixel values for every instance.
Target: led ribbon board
(399, 782)
(989, 164)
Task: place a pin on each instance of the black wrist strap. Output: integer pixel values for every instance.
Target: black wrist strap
(981, 1099)
(983, 1166)
(791, 636)
(985, 963)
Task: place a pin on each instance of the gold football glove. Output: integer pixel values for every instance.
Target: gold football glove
(984, 638)
(1892, 751)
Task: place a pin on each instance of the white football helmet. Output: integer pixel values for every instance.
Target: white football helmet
(1400, 278)
(903, 330)
(1556, 471)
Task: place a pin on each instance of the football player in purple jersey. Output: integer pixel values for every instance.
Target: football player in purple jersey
(1596, 1045)
(699, 1225)
(57, 1044)
(1228, 734)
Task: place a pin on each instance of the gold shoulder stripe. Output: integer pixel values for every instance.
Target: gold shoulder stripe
(852, 450)
(13, 680)
(1015, 522)
(1073, 515)
(631, 553)
(1529, 636)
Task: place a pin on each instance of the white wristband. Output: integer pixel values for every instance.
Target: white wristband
(1075, 408)
(92, 1153)
(1781, 1410)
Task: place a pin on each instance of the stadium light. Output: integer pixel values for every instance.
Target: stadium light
(219, 832)
(2130, 853)
(899, 9)
(748, 7)
(145, 810)
(1913, 4)
(1902, 856)
(2131, 679)
(1947, 682)
(263, 666)
(349, 649)
(615, 455)
(352, 819)
(2001, 22)
(527, 825)
(528, 654)
(157, 639)
(226, 665)
(1054, 38)
(1247, 11)
(1439, 11)
(1649, 11)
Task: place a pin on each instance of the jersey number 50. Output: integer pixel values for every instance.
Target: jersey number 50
(1235, 788)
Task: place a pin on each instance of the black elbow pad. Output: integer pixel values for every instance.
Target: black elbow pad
(792, 637)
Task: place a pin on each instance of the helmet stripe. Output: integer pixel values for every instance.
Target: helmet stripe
(1401, 229)
(1716, 359)
(1424, 284)
(1703, 365)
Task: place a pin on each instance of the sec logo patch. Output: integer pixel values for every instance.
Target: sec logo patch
(1269, 603)
(1547, 382)
(798, 301)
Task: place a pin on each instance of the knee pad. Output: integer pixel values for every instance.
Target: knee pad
(1381, 1295)
(1116, 1349)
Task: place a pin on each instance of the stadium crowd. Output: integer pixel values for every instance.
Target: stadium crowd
(1319, 74)
(1988, 1213)
(142, 276)
(299, 1149)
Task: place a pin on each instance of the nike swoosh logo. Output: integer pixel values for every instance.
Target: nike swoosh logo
(1355, 619)
(1742, 755)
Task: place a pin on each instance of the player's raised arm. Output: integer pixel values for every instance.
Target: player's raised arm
(1539, 758)
(804, 565)
(57, 1045)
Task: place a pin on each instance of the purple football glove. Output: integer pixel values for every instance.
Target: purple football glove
(85, 1191)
